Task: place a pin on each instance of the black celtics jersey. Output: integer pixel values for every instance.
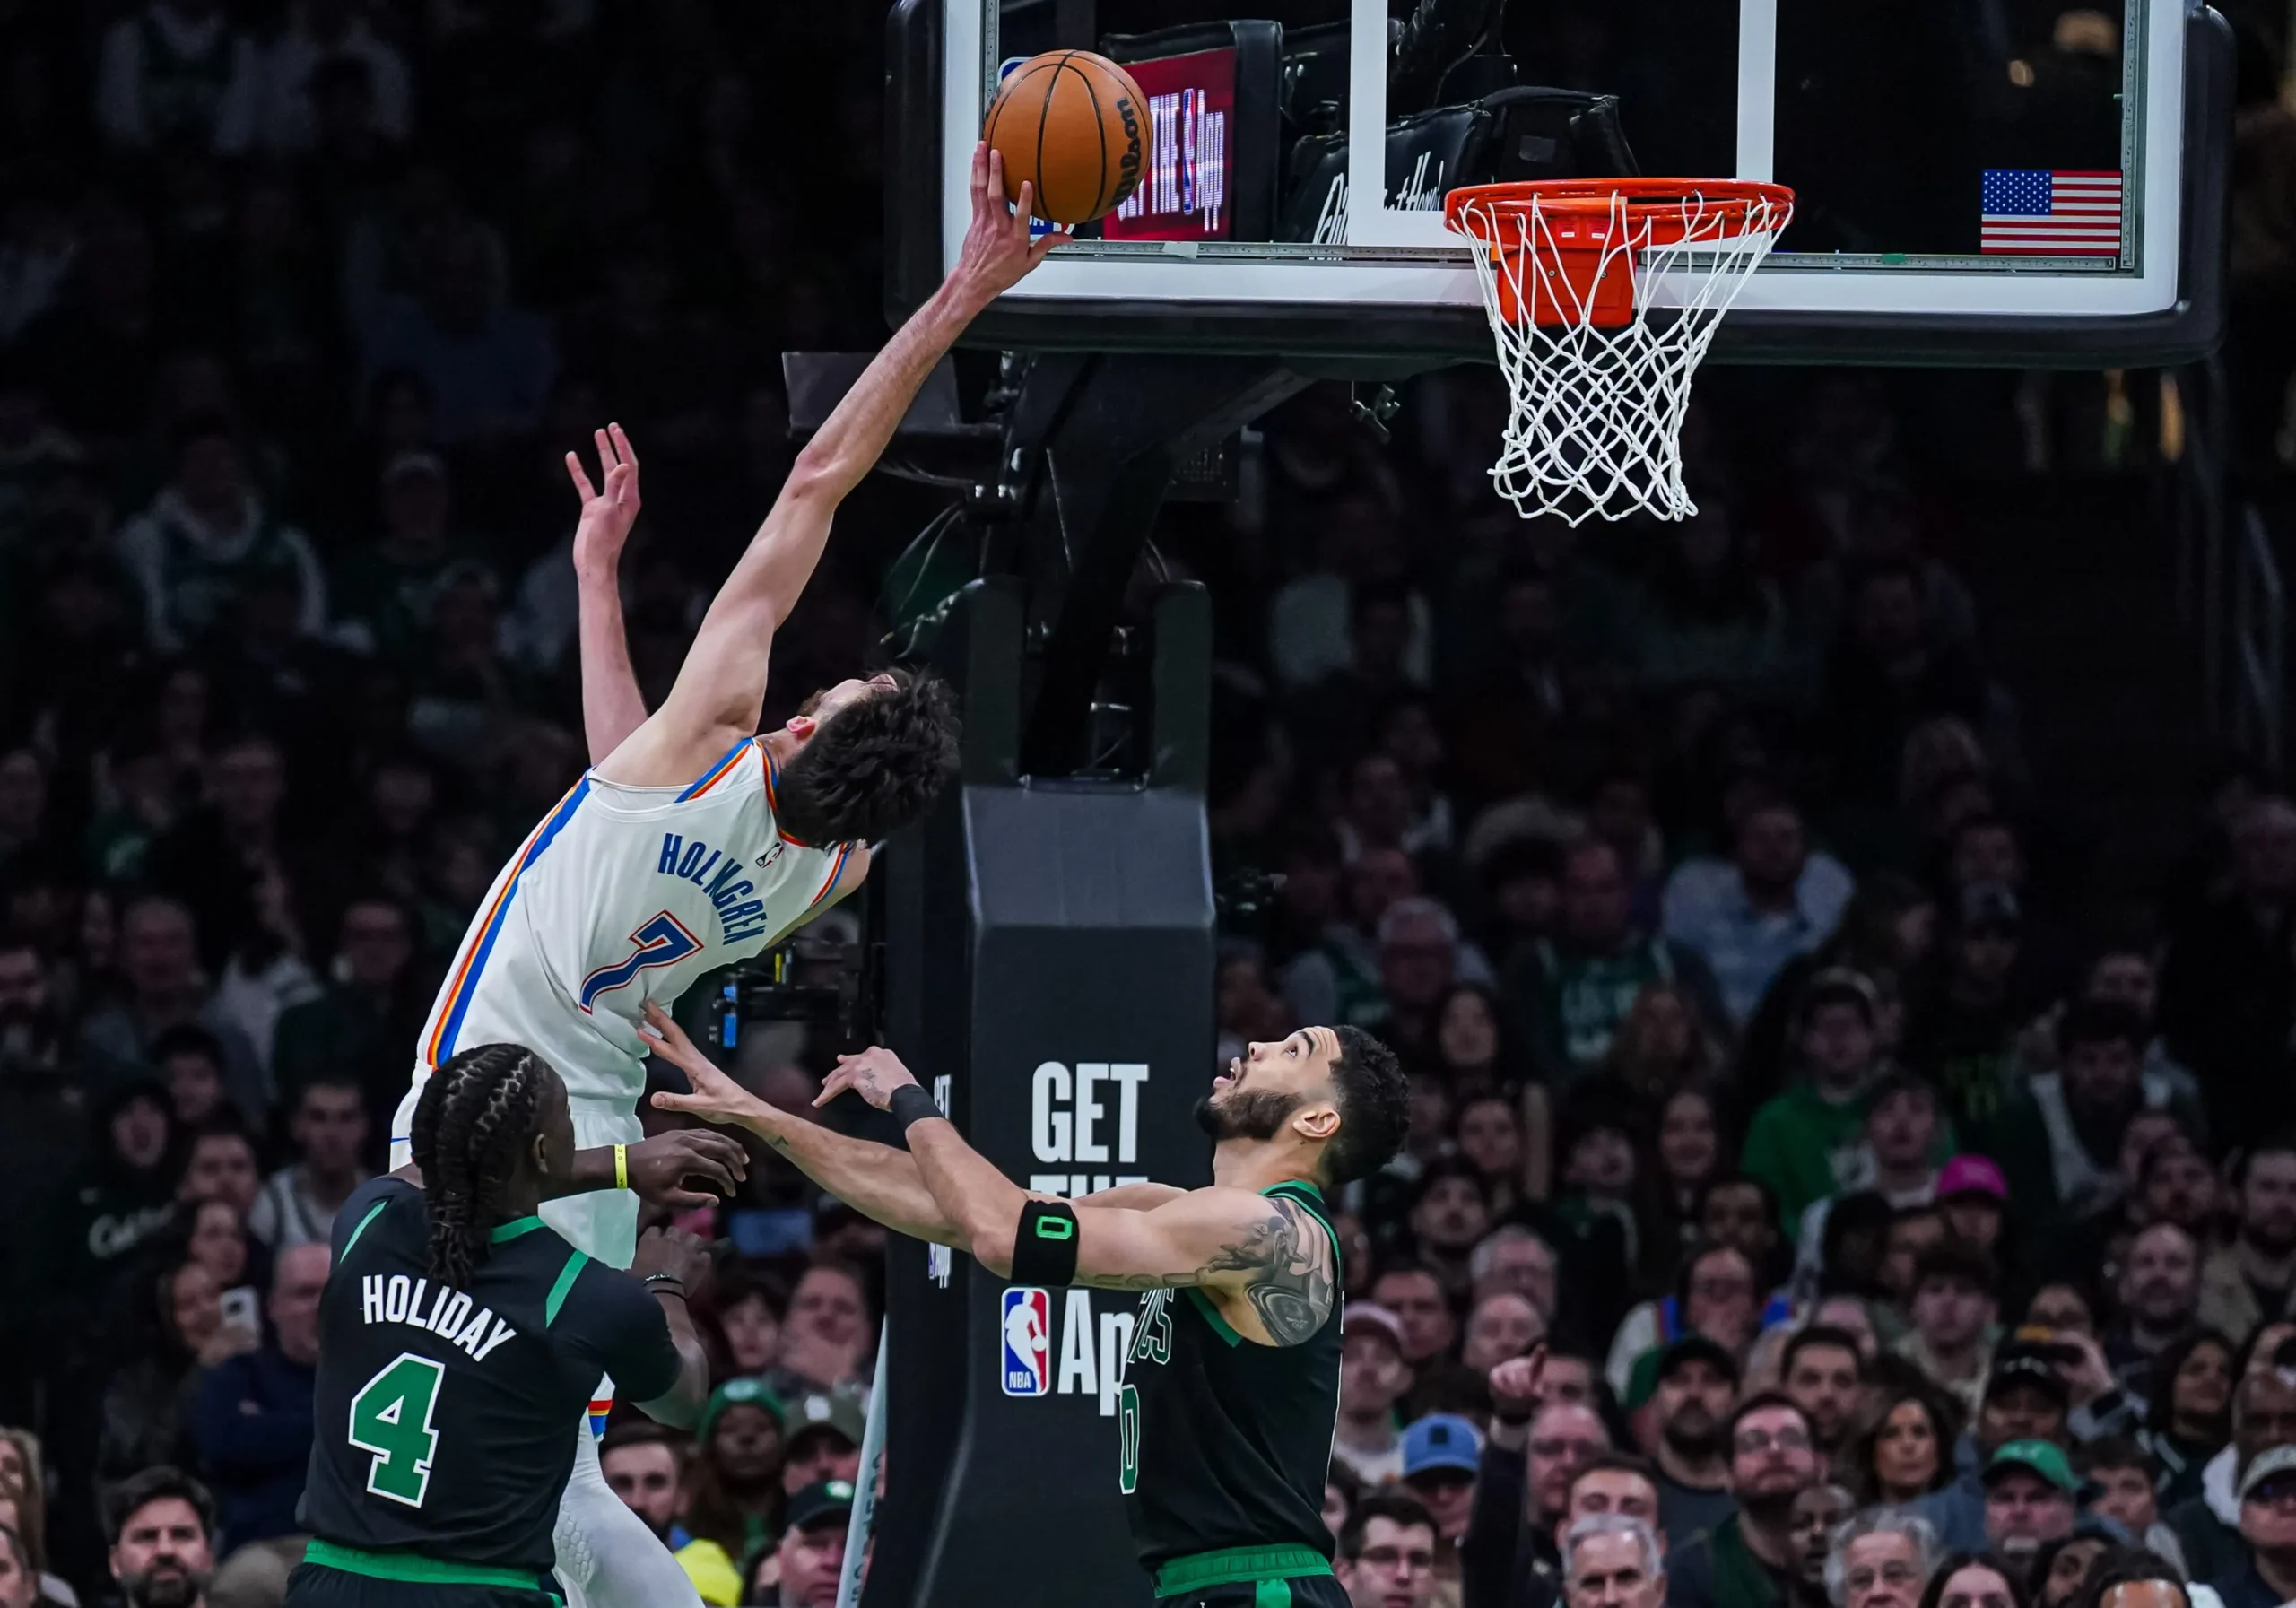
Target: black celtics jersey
(446, 1418)
(1225, 1441)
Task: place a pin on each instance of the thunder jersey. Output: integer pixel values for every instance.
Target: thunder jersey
(441, 1414)
(624, 895)
(1226, 1442)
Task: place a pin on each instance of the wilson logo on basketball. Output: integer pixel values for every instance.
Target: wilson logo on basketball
(1127, 166)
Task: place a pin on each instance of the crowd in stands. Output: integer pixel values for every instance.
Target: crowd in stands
(1813, 1196)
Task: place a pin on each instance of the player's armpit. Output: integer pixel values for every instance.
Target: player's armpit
(1268, 1249)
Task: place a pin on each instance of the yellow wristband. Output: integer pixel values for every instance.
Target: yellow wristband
(622, 1167)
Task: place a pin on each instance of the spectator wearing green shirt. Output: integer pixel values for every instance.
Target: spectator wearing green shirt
(1803, 1142)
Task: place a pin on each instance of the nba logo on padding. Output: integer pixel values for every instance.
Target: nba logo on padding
(1028, 1342)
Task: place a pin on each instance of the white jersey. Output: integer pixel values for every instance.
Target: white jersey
(620, 896)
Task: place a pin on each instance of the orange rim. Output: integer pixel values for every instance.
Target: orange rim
(1739, 205)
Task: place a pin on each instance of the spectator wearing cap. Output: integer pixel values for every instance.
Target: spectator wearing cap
(1953, 1303)
(1441, 1454)
(1801, 1141)
(2266, 1577)
(810, 1553)
(1772, 901)
(1749, 1560)
(1575, 988)
(2060, 1145)
(732, 1492)
(1373, 1378)
(2254, 1279)
(2026, 1397)
(1696, 1387)
(823, 1439)
(1974, 1199)
(2208, 1527)
(2031, 1497)
(2159, 1297)
(1898, 1160)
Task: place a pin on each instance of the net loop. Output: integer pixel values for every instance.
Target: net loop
(1604, 296)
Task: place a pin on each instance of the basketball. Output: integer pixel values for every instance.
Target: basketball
(1076, 125)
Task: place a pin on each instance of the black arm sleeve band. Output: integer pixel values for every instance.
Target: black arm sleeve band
(1044, 1252)
(911, 1104)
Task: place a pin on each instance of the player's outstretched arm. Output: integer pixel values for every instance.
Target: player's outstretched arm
(612, 705)
(1265, 1249)
(877, 1180)
(720, 689)
(662, 1169)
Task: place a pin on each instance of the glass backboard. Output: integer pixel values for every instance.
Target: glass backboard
(1979, 180)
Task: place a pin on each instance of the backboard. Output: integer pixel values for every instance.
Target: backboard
(2026, 182)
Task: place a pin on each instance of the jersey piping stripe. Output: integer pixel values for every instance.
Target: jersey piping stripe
(413, 1566)
(772, 773)
(512, 1229)
(1220, 1325)
(836, 870)
(717, 773)
(373, 1212)
(473, 961)
(559, 1291)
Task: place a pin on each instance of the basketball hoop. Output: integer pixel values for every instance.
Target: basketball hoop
(1598, 376)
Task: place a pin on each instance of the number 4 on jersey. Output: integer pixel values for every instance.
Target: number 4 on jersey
(390, 1417)
(661, 942)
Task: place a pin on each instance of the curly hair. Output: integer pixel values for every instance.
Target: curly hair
(474, 1115)
(874, 767)
(1374, 1107)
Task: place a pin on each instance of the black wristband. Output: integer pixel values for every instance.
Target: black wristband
(911, 1104)
(1044, 1251)
(670, 1280)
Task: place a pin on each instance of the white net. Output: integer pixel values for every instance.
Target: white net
(1596, 421)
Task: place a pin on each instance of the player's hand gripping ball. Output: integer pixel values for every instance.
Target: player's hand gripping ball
(1074, 125)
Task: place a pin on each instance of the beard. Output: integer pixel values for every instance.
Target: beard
(1693, 1433)
(1253, 1114)
(167, 1584)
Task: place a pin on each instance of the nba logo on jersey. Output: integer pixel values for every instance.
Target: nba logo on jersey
(1028, 1342)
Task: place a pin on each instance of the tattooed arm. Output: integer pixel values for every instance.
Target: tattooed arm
(1266, 1261)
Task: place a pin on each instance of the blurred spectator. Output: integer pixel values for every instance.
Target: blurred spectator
(822, 1440)
(733, 1487)
(1749, 916)
(1897, 1161)
(2118, 1481)
(2267, 1577)
(321, 34)
(297, 1202)
(1801, 1142)
(2208, 1526)
(178, 72)
(2254, 1278)
(254, 1431)
(1818, 1512)
(1577, 990)
(827, 1334)
(1749, 1559)
(1882, 1559)
(2189, 1417)
(1387, 1553)
(1416, 1298)
(2225, 979)
(125, 1192)
(810, 1554)
(359, 1027)
(1906, 1450)
(1822, 1373)
(488, 363)
(2159, 1294)
(206, 535)
(220, 1165)
(1612, 1561)
(20, 1583)
(1441, 1454)
(1967, 1038)
(1695, 1388)
(1954, 1302)
(1969, 1580)
(161, 1526)
(1704, 615)
(150, 1405)
(2026, 1397)
(1502, 1325)
(644, 1468)
(1373, 1378)
(2030, 1500)
(159, 955)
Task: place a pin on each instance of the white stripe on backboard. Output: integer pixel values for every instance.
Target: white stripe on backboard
(1757, 90)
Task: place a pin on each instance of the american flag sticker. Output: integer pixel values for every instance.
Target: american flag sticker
(2030, 212)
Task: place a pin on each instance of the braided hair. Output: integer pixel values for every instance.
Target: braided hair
(474, 1116)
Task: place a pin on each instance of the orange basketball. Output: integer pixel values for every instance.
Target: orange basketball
(1076, 125)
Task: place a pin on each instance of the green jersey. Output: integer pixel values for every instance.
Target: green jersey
(1226, 1442)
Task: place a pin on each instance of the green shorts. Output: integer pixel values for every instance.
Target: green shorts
(1281, 1576)
(349, 1578)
